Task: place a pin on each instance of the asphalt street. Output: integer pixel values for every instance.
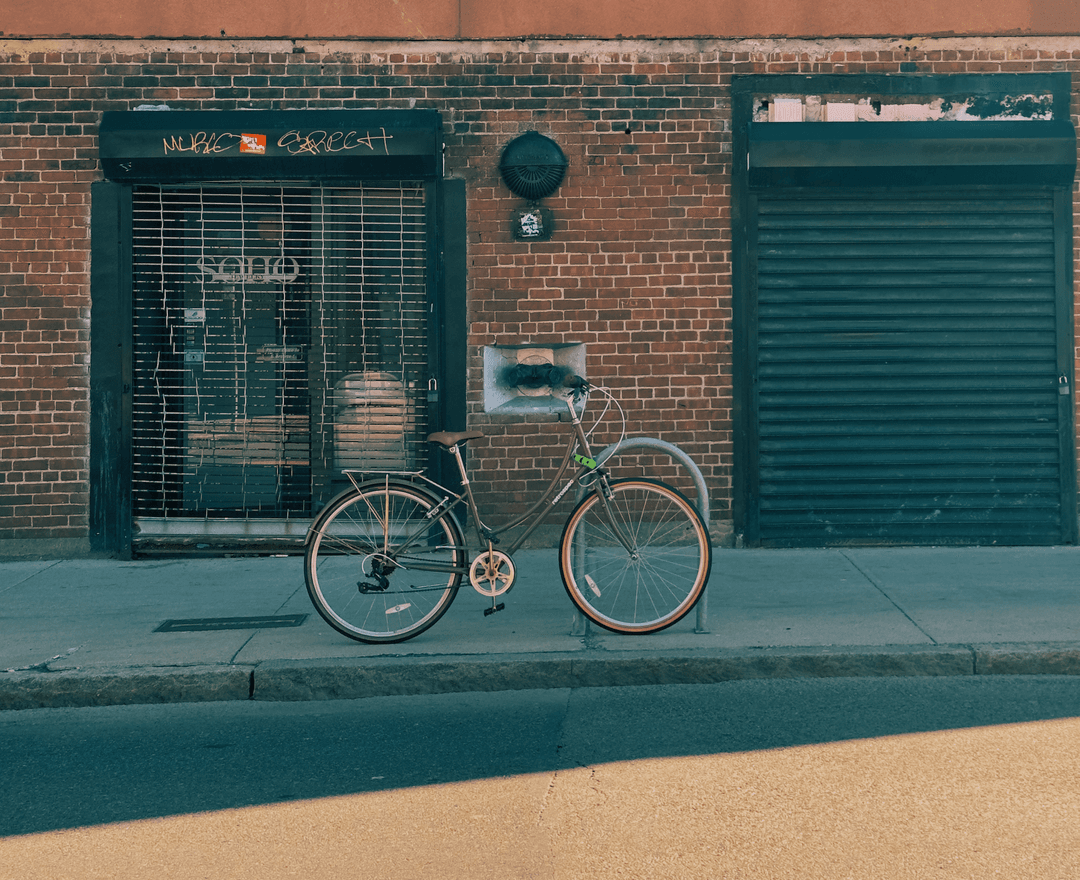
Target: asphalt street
(953, 777)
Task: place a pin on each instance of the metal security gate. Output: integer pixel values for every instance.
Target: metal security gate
(910, 369)
(280, 334)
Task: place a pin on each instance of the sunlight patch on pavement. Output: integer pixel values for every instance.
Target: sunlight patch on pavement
(974, 803)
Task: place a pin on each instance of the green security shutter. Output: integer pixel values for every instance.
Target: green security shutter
(911, 379)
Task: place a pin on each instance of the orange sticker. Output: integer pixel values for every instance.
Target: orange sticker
(253, 143)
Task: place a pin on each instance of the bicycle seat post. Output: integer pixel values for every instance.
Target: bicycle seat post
(455, 451)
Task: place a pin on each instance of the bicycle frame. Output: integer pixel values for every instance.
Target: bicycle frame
(385, 559)
(537, 513)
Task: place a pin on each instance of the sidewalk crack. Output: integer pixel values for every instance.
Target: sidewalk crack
(240, 650)
(46, 665)
(11, 585)
(247, 641)
(881, 590)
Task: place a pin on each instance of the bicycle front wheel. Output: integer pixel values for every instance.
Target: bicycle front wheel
(378, 569)
(636, 562)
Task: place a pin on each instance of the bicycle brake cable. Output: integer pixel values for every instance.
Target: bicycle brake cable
(611, 400)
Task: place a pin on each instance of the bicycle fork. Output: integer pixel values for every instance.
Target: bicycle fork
(604, 492)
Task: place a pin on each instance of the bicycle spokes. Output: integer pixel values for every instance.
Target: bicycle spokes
(379, 568)
(636, 561)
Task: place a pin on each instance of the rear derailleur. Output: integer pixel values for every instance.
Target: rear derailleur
(376, 581)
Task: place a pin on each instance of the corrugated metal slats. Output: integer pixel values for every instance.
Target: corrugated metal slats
(906, 368)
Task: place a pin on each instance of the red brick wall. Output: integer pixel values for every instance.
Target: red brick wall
(44, 310)
(638, 269)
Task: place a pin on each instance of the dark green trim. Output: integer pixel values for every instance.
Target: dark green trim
(744, 355)
(945, 85)
(1066, 342)
(454, 245)
(270, 144)
(912, 153)
(110, 368)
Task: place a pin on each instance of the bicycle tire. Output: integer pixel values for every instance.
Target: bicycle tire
(360, 533)
(656, 582)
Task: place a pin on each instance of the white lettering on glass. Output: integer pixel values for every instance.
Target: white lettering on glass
(250, 270)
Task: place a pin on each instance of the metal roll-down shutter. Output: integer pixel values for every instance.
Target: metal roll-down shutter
(280, 334)
(909, 378)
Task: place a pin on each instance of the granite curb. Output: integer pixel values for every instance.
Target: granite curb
(316, 680)
(124, 686)
(1043, 658)
(299, 680)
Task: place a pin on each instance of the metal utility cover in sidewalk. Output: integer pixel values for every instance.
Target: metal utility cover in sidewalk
(210, 624)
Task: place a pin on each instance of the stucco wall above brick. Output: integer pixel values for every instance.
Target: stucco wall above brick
(485, 19)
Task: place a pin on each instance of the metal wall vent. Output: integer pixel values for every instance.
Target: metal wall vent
(532, 166)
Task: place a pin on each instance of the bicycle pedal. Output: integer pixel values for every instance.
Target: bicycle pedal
(494, 608)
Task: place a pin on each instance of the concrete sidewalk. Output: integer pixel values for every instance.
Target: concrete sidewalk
(82, 632)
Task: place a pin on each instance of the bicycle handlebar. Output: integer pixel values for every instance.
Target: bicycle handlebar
(575, 382)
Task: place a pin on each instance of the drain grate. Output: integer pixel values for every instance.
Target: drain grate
(210, 624)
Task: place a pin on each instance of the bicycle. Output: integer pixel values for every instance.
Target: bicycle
(385, 558)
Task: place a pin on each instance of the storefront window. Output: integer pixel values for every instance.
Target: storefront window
(280, 335)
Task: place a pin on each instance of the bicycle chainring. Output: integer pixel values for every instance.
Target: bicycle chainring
(492, 573)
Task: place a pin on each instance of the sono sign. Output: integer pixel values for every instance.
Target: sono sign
(249, 270)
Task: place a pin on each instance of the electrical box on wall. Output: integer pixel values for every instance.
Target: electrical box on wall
(534, 223)
(519, 378)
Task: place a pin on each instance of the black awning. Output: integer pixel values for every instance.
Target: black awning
(175, 145)
(868, 153)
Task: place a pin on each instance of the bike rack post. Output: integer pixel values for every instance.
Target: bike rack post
(580, 624)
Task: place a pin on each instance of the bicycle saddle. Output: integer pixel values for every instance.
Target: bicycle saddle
(449, 438)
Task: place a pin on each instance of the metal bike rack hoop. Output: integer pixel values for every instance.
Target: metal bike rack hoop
(581, 623)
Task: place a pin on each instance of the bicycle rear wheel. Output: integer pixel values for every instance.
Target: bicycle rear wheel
(369, 562)
(637, 562)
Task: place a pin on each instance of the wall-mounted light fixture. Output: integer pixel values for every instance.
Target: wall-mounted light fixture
(532, 166)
